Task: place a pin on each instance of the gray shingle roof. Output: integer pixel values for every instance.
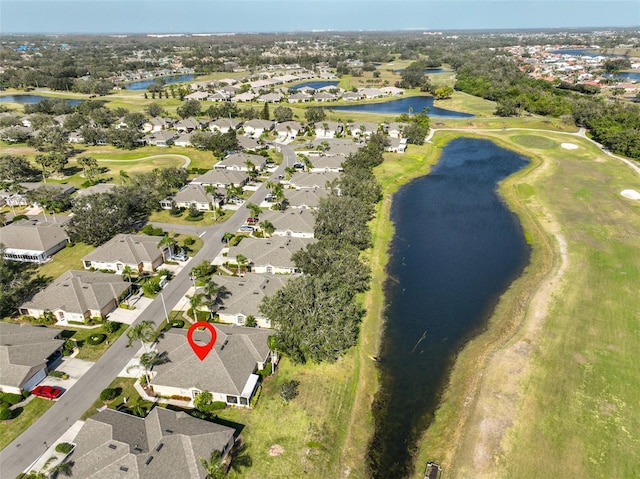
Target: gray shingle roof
(307, 197)
(222, 177)
(225, 370)
(245, 293)
(24, 350)
(78, 292)
(166, 443)
(312, 180)
(128, 249)
(294, 220)
(32, 235)
(275, 251)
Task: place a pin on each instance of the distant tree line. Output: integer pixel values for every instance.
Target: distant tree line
(317, 316)
(614, 124)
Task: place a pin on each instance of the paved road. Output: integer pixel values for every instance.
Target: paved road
(26, 449)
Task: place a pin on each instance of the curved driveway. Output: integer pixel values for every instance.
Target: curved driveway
(25, 450)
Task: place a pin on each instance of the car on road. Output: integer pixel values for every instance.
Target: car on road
(47, 392)
(246, 229)
(180, 256)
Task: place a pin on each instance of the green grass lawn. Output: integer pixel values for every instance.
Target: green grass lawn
(89, 352)
(163, 216)
(125, 389)
(30, 414)
(66, 259)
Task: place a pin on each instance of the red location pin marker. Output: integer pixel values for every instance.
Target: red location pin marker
(202, 350)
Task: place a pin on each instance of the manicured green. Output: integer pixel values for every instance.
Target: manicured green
(26, 417)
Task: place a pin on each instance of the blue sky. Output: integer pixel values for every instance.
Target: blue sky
(214, 16)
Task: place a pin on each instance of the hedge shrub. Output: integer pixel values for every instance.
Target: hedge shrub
(6, 414)
(64, 448)
(10, 398)
(108, 394)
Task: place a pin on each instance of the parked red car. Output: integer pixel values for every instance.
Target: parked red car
(48, 392)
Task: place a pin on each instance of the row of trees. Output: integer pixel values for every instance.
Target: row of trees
(316, 315)
(98, 217)
(614, 124)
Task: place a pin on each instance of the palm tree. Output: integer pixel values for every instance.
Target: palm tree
(124, 176)
(127, 274)
(138, 408)
(228, 237)
(143, 332)
(215, 466)
(255, 209)
(242, 261)
(278, 192)
(211, 190)
(212, 293)
(89, 165)
(167, 241)
(267, 227)
(196, 300)
(148, 361)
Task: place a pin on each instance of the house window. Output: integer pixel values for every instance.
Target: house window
(240, 319)
(269, 269)
(244, 401)
(232, 400)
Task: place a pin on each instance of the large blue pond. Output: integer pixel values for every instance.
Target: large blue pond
(168, 80)
(30, 99)
(413, 104)
(633, 76)
(456, 249)
(585, 53)
(315, 84)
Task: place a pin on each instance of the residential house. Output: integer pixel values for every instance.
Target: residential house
(165, 443)
(94, 189)
(397, 145)
(197, 95)
(157, 124)
(33, 240)
(256, 127)
(299, 97)
(288, 130)
(75, 137)
(272, 97)
(138, 252)
(247, 143)
(327, 129)
(392, 91)
(160, 138)
(246, 96)
(298, 223)
(242, 295)
(323, 164)
(183, 140)
(223, 125)
(222, 178)
(270, 255)
(26, 354)
(395, 129)
(188, 125)
(303, 180)
(370, 93)
(324, 96)
(352, 96)
(228, 371)
(20, 198)
(238, 162)
(77, 296)
(306, 198)
(364, 128)
(196, 195)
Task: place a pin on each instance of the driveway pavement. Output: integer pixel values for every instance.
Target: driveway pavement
(128, 316)
(75, 368)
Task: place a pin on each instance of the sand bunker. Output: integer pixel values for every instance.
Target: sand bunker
(569, 146)
(631, 194)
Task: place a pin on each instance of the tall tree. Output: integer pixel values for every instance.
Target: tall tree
(214, 467)
(143, 332)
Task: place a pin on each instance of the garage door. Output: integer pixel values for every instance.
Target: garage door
(35, 380)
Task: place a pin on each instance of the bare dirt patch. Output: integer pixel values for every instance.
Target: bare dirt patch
(580, 359)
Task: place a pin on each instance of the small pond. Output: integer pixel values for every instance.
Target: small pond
(412, 104)
(31, 99)
(168, 80)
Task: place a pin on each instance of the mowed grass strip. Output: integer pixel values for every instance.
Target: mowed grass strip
(30, 414)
